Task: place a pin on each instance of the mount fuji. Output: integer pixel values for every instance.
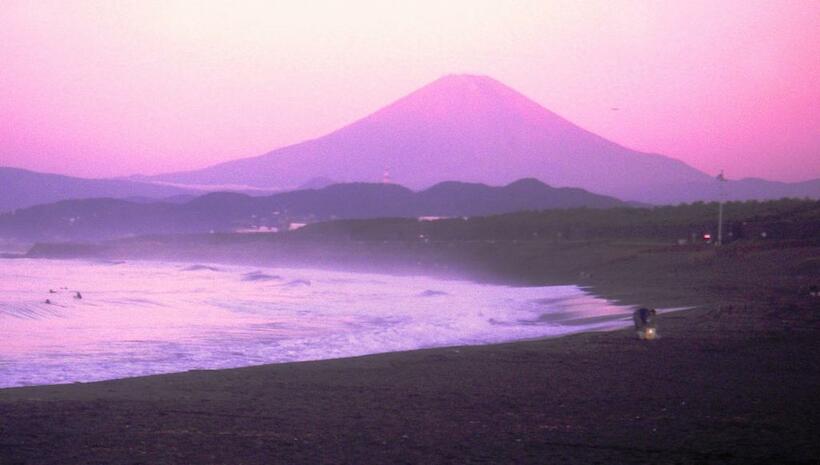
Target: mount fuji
(464, 128)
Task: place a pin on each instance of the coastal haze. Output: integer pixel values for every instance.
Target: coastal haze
(224, 212)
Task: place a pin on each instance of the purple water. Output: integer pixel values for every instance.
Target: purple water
(140, 318)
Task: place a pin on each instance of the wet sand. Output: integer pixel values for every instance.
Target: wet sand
(734, 380)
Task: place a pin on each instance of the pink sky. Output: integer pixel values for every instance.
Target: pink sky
(115, 88)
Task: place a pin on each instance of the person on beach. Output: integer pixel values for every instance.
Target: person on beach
(78, 295)
(644, 319)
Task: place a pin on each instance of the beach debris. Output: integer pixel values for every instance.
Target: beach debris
(52, 291)
(48, 301)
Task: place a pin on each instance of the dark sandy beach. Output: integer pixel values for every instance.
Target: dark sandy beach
(735, 380)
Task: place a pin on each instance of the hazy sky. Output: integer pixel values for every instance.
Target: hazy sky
(115, 88)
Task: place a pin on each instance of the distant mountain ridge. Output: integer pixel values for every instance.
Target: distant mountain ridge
(460, 127)
(21, 188)
(740, 189)
(475, 129)
(94, 219)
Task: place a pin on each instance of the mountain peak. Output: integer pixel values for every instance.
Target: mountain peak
(527, 183)
(455, 99)
(465, 80)
(464, 127)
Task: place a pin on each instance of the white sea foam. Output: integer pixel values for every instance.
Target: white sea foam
(140, 318)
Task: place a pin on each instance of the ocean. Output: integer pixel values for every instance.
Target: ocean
(140, 318)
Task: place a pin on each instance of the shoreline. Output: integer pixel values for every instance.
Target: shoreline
(607, 323)
(342, 359)
(732, 380)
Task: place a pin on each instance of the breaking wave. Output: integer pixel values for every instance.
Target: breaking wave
(260, 276)
(145, 318)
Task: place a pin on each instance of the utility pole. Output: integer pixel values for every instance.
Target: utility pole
(722, 193)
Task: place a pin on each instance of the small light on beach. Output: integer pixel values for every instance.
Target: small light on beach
(650, 333)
